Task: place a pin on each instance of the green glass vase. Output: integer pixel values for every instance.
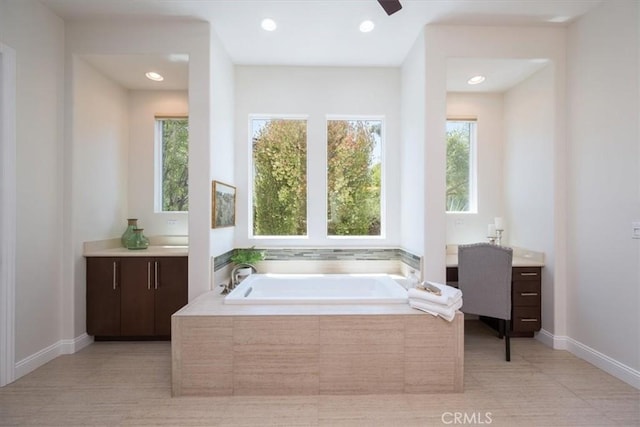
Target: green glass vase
(137, 240)
(132, 224)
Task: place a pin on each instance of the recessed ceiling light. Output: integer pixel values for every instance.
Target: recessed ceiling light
(366, 26)
(538, 60)
(475, 80)
(268, 24)
(152, 75)
(179, 57)
(559, 19)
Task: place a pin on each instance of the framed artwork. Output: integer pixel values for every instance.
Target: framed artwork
(223, 198)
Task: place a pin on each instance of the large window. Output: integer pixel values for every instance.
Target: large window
(354, 177)
(461, 176)
(279, 176)
(172, 166)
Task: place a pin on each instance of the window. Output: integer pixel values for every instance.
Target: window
(354, 177)
(461, 176)
(172, 167)
(279, 157)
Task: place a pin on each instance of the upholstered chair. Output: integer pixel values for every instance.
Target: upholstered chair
(484, 277)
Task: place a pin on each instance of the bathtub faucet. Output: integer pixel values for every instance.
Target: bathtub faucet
(235, 274)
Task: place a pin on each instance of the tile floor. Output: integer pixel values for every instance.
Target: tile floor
(128, 384)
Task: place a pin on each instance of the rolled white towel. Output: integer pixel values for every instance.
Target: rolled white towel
(448, 294)
(447, 313)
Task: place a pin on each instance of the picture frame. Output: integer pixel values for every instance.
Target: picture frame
(223, 200)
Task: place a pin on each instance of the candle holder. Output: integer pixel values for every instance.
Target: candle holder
(492, 239)
(498, 239)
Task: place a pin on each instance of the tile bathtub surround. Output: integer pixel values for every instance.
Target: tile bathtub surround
(223, 260)
(129, 384)
(330, 254)
(310, 355)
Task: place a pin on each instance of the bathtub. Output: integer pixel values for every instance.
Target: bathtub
(318, 289)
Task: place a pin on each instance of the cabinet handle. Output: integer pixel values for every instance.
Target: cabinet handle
(528, 294)
(115, 271)
(528, 274)
(156, 273)
(529, 320)
(149, 276)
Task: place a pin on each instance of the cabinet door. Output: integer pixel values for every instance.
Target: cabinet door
(171, 284)
(137, 313)
(103, 296)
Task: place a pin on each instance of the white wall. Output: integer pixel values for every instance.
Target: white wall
(435, 157)
(604, 183)
(222, 142)
(100, 164)
(144, 106)
(487, 108)
(150, 37)
(317, 92)
(493, 43)
(37, 36)
(529, 118)
(412, 172)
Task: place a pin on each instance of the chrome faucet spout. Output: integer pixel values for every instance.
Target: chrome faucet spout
(235, 276)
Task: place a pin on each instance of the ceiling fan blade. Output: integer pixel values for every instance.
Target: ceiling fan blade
(390, 6)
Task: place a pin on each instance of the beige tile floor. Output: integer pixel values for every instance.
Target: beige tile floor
(120, 383)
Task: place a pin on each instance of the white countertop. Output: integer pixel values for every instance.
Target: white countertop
(160, 246)
(452, 261)
(521, 257)
(151, 251)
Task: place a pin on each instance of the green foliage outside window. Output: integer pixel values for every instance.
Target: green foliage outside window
(175, 164)
(280, 177)
(354, 177)
(458, 154)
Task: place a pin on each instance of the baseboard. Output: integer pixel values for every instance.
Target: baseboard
(76, 344)
(550, 340)
(609, 365)
(36, 360)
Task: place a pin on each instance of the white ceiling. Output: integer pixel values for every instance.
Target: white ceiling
(325, 32)
(129, 70)
(500, 74)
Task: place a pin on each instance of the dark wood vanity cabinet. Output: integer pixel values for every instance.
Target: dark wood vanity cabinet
(171, 291)
(103, 296)
(134, 296)
(526, 302)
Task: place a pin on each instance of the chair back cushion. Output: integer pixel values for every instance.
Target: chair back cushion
(484, 277)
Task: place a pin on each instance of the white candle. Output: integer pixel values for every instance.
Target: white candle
(491, 232)
(499, 223)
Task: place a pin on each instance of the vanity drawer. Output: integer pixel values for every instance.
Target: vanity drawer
(526, 319)
(526, 293)
(526, 273)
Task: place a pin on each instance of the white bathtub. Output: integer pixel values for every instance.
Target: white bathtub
(318, 289)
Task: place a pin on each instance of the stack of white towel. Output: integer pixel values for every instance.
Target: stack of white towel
(436, 299)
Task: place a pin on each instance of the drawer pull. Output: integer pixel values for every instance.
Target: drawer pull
(115, 269)
(528, 294)
(529, 320)
(528, 274)
(155, 276)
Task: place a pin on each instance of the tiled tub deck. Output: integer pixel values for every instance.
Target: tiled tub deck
(220, 349)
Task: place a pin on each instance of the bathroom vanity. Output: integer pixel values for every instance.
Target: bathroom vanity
(526, 290)
(132, 294)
